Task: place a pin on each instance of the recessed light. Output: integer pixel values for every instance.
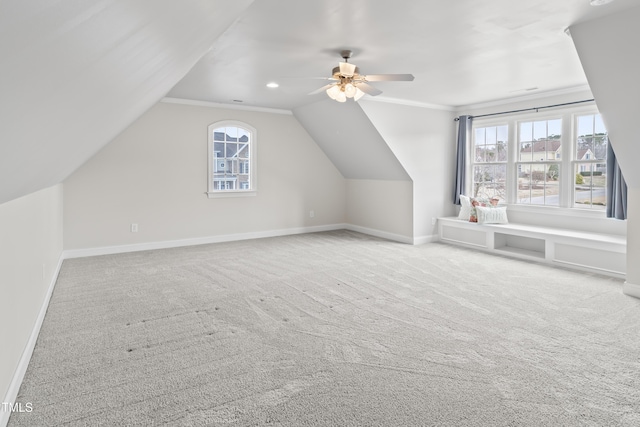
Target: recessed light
(600, 2)
(273, 85)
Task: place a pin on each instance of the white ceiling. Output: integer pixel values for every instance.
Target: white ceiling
(75, 73)
(461, 52)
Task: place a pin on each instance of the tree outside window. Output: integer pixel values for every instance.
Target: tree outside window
(489, 162)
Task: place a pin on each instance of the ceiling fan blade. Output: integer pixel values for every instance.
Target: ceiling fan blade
(299, 79)
(322, 89)
(309, 78)
(368, 89)
(389, 77)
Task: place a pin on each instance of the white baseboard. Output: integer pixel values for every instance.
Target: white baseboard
(631, 289)
(109, 250)
(23, 364)
(421, 240)
(379, 233)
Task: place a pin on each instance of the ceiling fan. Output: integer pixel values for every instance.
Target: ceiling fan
(349, 83)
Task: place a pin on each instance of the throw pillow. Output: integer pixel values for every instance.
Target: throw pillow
(473, 217)
(465, 208)
(493, 215)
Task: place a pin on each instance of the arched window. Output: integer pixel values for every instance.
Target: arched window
(232, 159)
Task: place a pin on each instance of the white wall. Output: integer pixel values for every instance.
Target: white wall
(79, 72)
(381, 208)
(608, 51)
(379, 189)
(30, 254)
(423, 140)
(632, 286)
(155, 174)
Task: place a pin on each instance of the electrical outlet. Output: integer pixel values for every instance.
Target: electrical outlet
(433, 221)
(134, 228)
(312, 214)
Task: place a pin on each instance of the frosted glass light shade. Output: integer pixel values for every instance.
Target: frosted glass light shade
(333, 91)
(347, 69)
(349, 90)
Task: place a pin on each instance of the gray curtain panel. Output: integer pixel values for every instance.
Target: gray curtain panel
(464, 135)
(616, 187)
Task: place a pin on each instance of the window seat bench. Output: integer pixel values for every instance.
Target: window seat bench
(595, 252)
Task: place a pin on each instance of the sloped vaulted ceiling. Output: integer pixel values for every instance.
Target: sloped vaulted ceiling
(74, 74)
(350, 140)
(608, 50)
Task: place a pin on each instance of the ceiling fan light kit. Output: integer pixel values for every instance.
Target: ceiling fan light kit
(349, 83)
(335, 92)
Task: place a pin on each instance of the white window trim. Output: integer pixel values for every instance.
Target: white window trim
(569, 115)
(253, 190)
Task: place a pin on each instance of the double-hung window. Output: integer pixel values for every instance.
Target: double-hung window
(489, 162)
(557, 160)
(539, 162)
(231, 159)
(589, 163)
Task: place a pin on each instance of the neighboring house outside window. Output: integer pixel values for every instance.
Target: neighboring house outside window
(523, 159)
(231, 159)
(539, 162)
(590, 164)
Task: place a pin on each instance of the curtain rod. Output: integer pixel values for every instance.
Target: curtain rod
(529, 109)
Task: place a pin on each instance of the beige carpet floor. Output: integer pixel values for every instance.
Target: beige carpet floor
(332, 329)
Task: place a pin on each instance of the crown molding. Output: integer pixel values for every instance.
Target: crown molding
(531, 97)
(225, 106)
(411, 103)
(398, 101)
